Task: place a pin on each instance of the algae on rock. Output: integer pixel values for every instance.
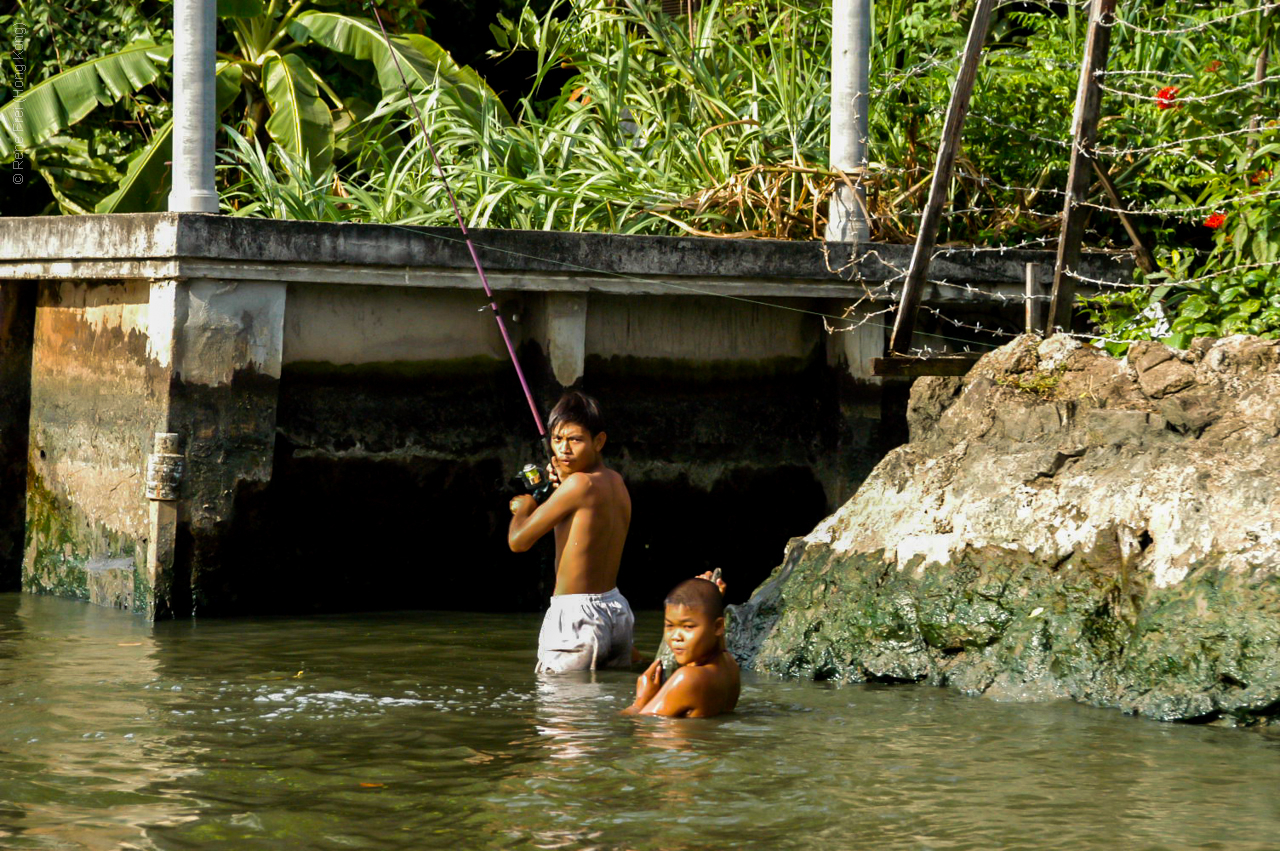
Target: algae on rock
(1062, 524)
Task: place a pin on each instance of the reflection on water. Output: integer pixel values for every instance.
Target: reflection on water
(431, 730)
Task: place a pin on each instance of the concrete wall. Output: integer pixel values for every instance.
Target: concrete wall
(348, 415)
(94, 391)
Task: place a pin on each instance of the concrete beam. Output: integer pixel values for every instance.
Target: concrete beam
(566, 320)
(863, 344)
(228, 350)
(188, 245)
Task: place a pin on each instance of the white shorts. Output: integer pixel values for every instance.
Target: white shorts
(583, 632)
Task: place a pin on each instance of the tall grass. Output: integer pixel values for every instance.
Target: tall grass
(720, 128)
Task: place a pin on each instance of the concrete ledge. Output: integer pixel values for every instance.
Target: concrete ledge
(185, 245)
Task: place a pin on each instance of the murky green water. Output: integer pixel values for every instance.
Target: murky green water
(429, 730)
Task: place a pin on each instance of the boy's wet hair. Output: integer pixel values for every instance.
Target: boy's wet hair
(577, 408)
(699, 594)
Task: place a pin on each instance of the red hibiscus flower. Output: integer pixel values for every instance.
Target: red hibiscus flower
(1215, 221)
(1166, 97)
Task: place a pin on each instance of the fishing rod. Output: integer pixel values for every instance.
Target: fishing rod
(530, 477)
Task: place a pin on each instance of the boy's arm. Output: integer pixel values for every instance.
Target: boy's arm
(648, 685)
(531, 521)
(679, 696)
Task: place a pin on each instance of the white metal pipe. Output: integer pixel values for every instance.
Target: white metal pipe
(850, 69)
(193, 190)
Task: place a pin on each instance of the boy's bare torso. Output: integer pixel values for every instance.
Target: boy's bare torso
(589, 540)
(590, 511)
(714, 685)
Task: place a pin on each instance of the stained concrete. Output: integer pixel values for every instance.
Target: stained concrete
(93, 395)
(348, 414)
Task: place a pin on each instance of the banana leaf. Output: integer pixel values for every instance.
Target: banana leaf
(300, 122)
(55, 104)
(145, 186)
(73, 175)
(424, 63)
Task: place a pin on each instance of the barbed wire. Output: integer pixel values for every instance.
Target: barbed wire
(975, 327)
(1217, 206)
(1181, 282)
(1180, 143)
(1118, 21)
(1107, 72)
(1180, 98)
(994, 123)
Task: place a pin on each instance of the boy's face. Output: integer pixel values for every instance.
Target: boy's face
(575, 447)
(692, 634)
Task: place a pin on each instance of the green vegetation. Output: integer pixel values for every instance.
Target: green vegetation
(636, 122)
(264, 76)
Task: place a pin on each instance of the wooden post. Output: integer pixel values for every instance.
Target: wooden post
(1141, 253)
(1260, 71)
(927, 238)
(1034, 299)
(1084, 135)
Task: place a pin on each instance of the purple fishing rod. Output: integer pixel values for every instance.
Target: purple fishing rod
(475, 257)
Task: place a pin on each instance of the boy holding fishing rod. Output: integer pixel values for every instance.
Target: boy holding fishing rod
(589, 623)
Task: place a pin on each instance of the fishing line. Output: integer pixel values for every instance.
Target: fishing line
(421, 231)
(484, 280)
(475, 257)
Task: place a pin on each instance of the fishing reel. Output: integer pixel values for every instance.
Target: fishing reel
(534, 481)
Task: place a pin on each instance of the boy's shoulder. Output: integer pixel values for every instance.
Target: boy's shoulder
(708, 675)
(706, 690)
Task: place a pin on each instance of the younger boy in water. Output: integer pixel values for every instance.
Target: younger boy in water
(707, 682)
(588, 624)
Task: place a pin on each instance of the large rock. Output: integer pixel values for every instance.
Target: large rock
(1062, 524)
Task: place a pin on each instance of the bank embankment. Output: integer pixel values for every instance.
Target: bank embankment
(1062, 524)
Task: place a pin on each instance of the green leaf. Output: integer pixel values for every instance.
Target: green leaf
(240, 8)
(425, 64)
(145, 187)
(300, 122)
(227, 84)
(1194, 307)
(60, 101)
(477, 90)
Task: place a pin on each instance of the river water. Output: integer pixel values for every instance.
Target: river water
(429, 730)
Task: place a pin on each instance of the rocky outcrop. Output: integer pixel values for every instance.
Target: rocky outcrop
(1062, 524)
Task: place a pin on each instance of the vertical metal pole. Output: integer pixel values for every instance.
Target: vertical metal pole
(194, 23)
(850, 70)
